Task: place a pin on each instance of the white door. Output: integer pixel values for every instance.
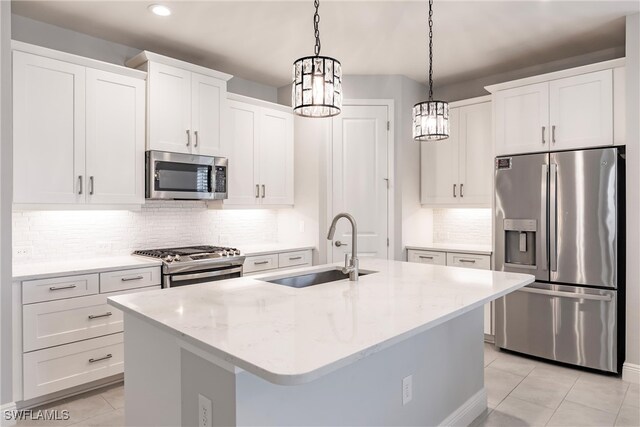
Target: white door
(359, 180)
(48, 130)
(207, 97)
(243, 134)
(169, 109)
(115, 138)
(275, 157)
(582, 111)
(439, 166)
(476, 155)
(522, 119)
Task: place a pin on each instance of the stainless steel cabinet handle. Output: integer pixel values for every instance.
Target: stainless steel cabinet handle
(80, 184)
(188, 137)
(195, 133)
(260, 262)
(553, 134)
(293, 258)
(472, 261)
(97, 316)
(543, 129)
(425, 257)
(454, 190)
(108, 356)
(339, 243)
(91, 185)
(263, 191)
(461, 190)
(563, 294)
(127, 279)
(257, 191)
(59, 288)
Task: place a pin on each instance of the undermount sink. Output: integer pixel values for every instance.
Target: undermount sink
(316, 278)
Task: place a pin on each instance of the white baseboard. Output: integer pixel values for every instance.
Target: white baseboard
(631, 373)
(8, 407)
(468, 411)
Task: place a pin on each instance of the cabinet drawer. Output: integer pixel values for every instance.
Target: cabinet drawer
(260, 263)
(57, 368)
(482, 262)
(113, 281)
(427, 257)
(51, 323)
(59, 288)
(291, 259)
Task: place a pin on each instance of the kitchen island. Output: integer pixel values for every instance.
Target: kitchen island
(402, 346)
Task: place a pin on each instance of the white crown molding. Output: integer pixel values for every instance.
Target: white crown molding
(146, 56)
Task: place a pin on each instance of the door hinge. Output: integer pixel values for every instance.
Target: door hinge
(388, 125)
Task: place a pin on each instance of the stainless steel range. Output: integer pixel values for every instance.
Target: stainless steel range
(190, 265)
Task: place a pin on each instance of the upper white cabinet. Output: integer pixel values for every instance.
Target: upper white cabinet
(260, 150)
(565, 110)
(78, 130)
(186, 105)
(458, 171)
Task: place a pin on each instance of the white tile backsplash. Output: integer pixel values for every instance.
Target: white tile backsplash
(470, 226)
(54, 235)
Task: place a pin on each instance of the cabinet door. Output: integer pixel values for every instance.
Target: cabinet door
(115, 138)
(581, 111)
(48, 130)
(522, 119)
(243, 134)
(476, 155)
(276, 158)
(169, 109)
(208, 96)
(439, 166)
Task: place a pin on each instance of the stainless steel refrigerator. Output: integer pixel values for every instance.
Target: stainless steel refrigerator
(560, 217)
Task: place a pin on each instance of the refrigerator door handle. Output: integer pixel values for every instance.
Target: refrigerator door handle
(543, 215)
(565, 294)
(553, 217)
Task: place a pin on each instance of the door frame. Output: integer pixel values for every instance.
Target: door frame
(389, 103)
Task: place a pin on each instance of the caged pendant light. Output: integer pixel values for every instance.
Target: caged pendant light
(317, 81)
(431, 118)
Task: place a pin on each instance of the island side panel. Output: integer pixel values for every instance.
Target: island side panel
(446, 363)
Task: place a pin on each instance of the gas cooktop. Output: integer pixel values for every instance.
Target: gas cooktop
(194, 257)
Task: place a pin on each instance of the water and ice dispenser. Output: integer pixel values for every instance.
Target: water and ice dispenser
(520, 242)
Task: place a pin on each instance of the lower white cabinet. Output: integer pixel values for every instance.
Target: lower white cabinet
(457, 259)
(277, 261)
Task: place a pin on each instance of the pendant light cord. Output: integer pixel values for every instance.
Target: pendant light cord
(430, 49)
(316, 21)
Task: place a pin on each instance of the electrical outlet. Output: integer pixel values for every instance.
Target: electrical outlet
(205, 415)
(22, 252)
(407, 389)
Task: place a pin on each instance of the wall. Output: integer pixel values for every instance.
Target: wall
(39, 33)
(466, 226)
(6, 185)
(633, 196)
(53, 235)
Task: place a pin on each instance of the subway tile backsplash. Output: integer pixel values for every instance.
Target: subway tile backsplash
(56, 235)
(470, 226)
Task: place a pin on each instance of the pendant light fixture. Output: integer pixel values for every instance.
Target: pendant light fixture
(317, 81)
(431, 118)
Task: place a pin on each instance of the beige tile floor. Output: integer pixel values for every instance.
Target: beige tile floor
(521, 392)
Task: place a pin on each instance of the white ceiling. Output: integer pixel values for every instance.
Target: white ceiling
(258, 40)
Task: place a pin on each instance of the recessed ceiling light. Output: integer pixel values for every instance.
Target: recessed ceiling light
(160, 10)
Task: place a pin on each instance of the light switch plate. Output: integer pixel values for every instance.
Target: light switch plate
(407, 389)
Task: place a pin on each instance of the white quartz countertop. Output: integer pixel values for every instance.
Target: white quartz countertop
(270, 248)
(454, 247)
(292, 336)
(38, 270)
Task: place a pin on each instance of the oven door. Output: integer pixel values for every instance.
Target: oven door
(193, 278)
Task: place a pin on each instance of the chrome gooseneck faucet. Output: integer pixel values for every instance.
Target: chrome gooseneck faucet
(350, 267)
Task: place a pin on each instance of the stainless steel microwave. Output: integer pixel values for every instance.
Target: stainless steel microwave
(176, 176)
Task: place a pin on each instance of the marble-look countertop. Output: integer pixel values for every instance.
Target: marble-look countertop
(270, 248)
(453, 247)
(36, 270)
(292, 336)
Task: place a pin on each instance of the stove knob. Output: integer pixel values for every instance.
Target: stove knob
(176, 258)
(168, 258)
(225, 253)
(237, 252)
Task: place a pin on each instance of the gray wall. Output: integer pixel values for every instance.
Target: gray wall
(633, 189)
(39, 33)
(6, 185)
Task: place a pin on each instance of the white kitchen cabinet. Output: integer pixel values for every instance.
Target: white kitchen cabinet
(78, 130)
(260, 153)
(564, 110)
(186, 105)
(458, 171)
(275, 262)
(427, 257)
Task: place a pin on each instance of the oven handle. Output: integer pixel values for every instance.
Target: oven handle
(205, 274)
